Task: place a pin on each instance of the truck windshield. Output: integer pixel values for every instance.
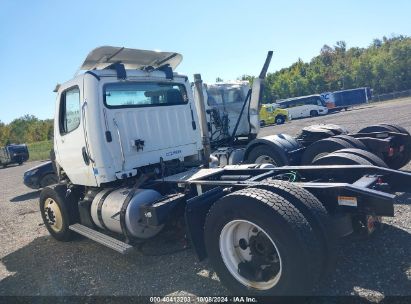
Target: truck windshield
(219, 94)
(144, 94)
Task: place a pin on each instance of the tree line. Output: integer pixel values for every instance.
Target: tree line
(384, 66)
(26, 129)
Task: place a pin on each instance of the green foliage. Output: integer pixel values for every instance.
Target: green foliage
(40, 150)
(26, 129)
(248, 78)
(385, 66)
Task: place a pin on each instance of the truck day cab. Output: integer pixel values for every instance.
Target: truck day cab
(132, 151)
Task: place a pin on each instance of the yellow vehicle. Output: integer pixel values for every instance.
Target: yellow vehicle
(271, 113)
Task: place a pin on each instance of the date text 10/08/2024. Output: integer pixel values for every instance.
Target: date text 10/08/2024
(188, 299)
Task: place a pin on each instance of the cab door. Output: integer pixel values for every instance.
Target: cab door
(71, 152)
(270, 115)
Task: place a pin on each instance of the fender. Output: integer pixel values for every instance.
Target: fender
(289, 149)
(195, 216)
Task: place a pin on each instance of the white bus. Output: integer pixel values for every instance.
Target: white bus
(304, 106)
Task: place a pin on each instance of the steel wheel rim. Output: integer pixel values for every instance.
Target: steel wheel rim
(265, 159)
(232, 254)
(53, 215)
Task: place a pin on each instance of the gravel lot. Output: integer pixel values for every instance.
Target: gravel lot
(33, 263)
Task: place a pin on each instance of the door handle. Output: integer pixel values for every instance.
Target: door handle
(86, 158)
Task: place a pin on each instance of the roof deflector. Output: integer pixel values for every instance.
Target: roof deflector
(104, 56)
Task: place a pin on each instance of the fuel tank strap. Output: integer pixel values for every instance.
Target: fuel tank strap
(100, 206)
(123, 215)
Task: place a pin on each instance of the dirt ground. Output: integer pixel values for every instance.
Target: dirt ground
(33, 263)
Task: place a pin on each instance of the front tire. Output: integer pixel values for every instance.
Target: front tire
(57, 212)
(279, 120)
(260, 244)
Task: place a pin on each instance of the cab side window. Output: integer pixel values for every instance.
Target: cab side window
(69, 110)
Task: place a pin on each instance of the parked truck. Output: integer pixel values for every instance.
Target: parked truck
(345, 99)
(132, 152)
(271, 113)
(13, 154)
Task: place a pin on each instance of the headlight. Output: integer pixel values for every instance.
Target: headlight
(31, 172)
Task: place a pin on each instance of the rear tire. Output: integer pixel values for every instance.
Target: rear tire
(356, 143)
(323, 147)
(289, 249)
(313, 113)
(341, 159)
(315, 213)
(378, 128)
(397, 127)
(262, 123)
(263, 154)
(401, 158)
(372, 158)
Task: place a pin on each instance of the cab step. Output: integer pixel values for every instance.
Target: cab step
(101, 238)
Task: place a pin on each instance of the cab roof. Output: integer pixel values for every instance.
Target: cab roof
(104, 56)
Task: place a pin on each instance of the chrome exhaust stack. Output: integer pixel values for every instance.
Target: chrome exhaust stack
(205, 139)
(256, 96)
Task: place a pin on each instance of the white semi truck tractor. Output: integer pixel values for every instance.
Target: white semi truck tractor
(132, 152)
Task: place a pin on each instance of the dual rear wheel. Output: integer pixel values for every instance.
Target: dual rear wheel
(400, 151)
(268, 240)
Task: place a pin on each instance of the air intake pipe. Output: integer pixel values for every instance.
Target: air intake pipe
(205, 140)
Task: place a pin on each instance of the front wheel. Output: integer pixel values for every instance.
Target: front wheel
(279, 120)
(57, 212)
(260, 244)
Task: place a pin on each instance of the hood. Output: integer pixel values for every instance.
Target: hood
(47, 163)
(104, 56)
